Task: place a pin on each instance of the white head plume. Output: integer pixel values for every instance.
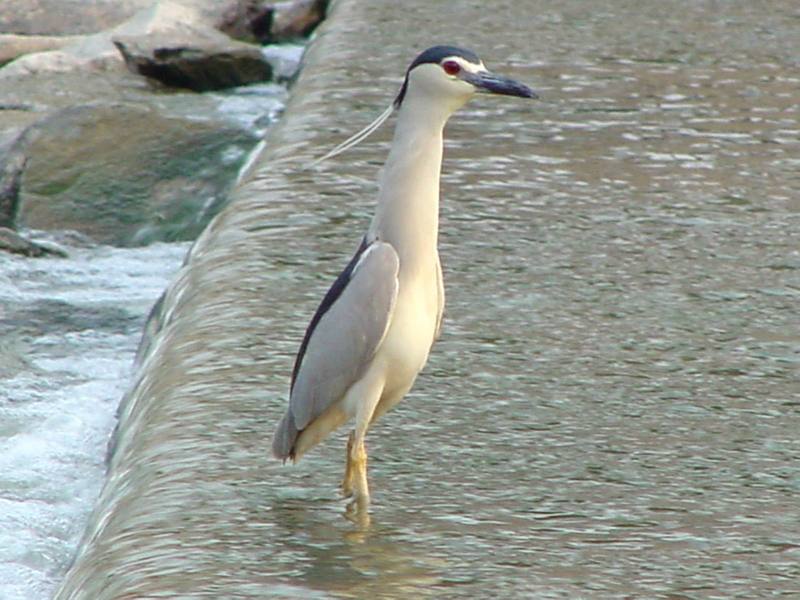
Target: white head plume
(356, 138)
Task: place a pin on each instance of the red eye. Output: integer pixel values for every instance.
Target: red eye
(451, 67)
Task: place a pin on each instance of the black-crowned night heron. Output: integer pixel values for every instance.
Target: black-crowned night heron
(372, 333)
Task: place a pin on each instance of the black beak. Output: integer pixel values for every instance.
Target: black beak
(491, 83)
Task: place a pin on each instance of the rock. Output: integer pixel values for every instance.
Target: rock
(85, 146)
(106, 171)
(60, 17)
(295, 19)
(40, 41)
(168, 41)
(272, 22)
(13, 46)
(195, 60)
(97, 53)
(247, 20)
(13, 242)
(12, 163)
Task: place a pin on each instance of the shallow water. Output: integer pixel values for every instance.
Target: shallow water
(612, 410)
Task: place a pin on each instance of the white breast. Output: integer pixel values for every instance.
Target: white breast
(408, 341)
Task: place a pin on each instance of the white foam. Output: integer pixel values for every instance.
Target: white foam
(70, 333)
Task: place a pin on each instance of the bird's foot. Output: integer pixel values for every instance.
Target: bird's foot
(354, 484)
(357, 510)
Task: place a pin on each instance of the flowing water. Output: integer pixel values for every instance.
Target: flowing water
(613, 408)
(69, 327)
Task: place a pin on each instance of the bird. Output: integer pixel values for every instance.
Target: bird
(372, 333)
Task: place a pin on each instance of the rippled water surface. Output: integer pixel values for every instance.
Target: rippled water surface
(613, 408)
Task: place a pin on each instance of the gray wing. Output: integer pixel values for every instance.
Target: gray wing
(342, 340)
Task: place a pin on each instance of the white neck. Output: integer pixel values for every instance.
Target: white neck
(407, 215)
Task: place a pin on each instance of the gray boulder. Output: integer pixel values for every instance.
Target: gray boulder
(13, 243)
(194, 59)
(13, 46)
(12, 163)
(97, 54)
(126, 175)
(62, 17)
(268, 22)
(295, 19)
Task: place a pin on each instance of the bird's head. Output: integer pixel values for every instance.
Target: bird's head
(440, 81)
(450, 76)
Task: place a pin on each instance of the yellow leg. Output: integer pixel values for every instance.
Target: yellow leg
(358, 508)
(365, 395)
(347, 481)
(361, 487)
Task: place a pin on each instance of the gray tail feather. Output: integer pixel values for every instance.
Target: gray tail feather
(284, 438)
